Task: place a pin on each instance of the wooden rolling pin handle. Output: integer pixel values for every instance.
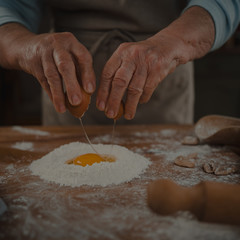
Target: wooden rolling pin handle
(208, 201)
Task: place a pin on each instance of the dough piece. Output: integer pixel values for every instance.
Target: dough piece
(209, 167)
(182, 161)
(190, 140)
(219, 170)
(225, 170)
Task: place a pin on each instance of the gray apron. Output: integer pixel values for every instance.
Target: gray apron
(101, 26)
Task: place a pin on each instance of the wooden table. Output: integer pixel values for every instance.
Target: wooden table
(39, 210)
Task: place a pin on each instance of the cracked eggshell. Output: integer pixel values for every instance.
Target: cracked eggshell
(79, 110)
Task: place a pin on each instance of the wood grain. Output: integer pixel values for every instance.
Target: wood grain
(42, 210)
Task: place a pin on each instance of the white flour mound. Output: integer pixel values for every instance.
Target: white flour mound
(52, 167)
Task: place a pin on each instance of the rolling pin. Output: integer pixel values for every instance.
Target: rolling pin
(208, 201)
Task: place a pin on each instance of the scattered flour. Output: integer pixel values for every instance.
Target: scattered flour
(30, 131)
(23, 146)
(52, 166)
(162, 133)
(10, 168)
(186, 150)
(168, 132)
(112, 212)
(145, 134)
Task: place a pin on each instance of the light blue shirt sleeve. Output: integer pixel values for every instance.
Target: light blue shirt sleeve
(225, 15)
(26, 12)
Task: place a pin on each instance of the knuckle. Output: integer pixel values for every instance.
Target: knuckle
(123, 46)
(125, 49)
(67, 35)
(52, 77)
(63, 35)
(38, 49)
(154, 59)
(51, 39)
(59, 40)
(63, 66)
(53, 82)
(50, 74)
(106, 76)
(135, 90)
(120, 82)
(132, 50)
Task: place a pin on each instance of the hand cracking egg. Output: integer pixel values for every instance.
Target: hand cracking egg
(79, 110)
(90, 159)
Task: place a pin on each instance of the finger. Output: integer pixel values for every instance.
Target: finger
(151, 84)
(84, 68)
(39, 74)
(119, 85)
(106, 81)
(66, 68)
(54, 82)
(134, 92)
(157, 74)
(44, 84)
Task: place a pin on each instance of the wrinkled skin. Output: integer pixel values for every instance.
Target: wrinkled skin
(135, 68)
(57, 59)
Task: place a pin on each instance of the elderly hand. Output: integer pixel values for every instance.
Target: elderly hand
(59, 58)
(54, 59)
(136, 69)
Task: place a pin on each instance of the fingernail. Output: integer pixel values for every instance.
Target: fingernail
(110, 114)
(75, 100)
(90, 88)
(101, 106)
(128, 116)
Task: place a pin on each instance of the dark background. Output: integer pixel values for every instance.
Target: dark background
(217, 88)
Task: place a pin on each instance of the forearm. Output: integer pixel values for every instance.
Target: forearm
(193, 33)
(13, 36)
(225, 15)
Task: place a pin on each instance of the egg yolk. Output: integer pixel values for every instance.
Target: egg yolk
(91, 158)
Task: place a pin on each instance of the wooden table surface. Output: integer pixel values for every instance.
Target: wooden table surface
(39, 210)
